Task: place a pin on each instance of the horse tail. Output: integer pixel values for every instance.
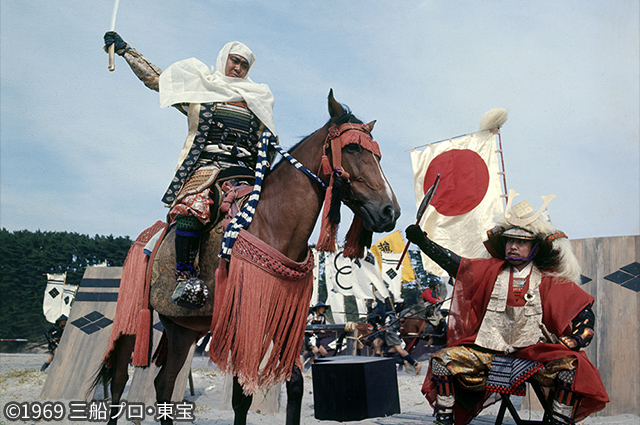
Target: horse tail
(103, 374)
(161, 352)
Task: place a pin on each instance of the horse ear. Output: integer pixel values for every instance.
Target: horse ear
(335, 109)
(370, 125)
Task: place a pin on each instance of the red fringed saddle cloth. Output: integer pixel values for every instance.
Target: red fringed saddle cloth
(259, 314)
(132, 310)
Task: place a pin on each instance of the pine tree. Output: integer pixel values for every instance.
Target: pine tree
(25, 259)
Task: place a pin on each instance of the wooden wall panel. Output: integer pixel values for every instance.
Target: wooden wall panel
(85, 341)
(86, 336)
(615, 350)
(141, 389)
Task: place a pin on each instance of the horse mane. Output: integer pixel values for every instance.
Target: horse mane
(345, 117)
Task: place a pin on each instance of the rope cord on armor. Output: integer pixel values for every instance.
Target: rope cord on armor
(245, 215)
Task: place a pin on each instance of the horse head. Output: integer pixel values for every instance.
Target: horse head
(363, 186)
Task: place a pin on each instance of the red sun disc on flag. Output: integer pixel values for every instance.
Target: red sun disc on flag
(464, 180)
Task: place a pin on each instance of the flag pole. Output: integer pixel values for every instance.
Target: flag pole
(503, 173)
(448, 139)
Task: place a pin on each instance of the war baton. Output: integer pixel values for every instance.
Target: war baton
(423, 207)
(112, 47)
(551, 338)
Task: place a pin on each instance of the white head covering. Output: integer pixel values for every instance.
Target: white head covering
(191, 81)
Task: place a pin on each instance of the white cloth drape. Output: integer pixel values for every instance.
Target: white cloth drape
(191, 81)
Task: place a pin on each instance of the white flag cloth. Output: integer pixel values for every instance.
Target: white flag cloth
(353, 277)
(362, 308)
(336, 301)
(467, 201)
(57, 297)
(392, 277)
(316, 277)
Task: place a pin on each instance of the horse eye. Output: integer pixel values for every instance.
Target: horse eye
(353, 147)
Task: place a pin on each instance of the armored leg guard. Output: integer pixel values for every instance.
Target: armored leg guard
(191, 292)
(445, 398)
(187, 242)
(565, 400)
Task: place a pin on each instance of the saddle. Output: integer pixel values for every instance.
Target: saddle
(228, 194)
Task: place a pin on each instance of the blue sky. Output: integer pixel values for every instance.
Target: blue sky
(90, 151)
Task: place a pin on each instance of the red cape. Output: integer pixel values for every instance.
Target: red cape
(474, 283)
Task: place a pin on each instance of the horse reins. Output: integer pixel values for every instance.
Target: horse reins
(337, 138)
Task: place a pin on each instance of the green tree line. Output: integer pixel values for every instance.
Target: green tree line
(26, 257)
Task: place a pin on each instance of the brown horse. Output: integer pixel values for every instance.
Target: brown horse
(289, 207)
(416, 327)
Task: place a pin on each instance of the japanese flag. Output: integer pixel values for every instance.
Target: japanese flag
(468, 198)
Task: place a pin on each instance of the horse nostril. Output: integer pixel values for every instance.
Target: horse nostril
(388, 212)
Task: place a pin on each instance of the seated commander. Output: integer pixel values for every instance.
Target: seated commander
(498, 306)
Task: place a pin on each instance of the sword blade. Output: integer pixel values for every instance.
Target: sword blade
(426, 200)
(114, 15)
(112, 63)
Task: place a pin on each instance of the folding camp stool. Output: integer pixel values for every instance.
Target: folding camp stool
(507, 376)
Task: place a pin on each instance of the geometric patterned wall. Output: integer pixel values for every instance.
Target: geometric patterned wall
(611, 273)
(627, 276)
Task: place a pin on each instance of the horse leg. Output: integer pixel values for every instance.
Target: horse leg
(120, 375)
(295, 389)
(240, 403)
(179, 341)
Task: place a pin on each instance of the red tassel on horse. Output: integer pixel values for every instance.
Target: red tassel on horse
(325, 167)
(353, 247)
(143, 339)
(328, 229)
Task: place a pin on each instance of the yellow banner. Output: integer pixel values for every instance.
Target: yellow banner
(393, 242)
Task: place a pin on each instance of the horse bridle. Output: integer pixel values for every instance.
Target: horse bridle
(340, 136)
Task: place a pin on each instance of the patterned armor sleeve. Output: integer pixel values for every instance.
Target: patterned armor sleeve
(582, 329)
(147, 72)
(446, 259)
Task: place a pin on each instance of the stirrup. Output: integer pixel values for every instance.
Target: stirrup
(560, 419)
(190, 293)
(444, 415)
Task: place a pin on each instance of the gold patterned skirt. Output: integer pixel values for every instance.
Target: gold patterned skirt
(471, 365)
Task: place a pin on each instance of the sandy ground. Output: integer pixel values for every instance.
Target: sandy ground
(21, 381)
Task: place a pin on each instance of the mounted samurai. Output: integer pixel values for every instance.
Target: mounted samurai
(227, 113)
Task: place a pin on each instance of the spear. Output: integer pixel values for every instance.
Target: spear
(423, 207)
(112, 48)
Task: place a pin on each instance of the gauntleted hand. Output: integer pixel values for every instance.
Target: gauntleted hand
(415, 234)
(570, 342)
(112, 37)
